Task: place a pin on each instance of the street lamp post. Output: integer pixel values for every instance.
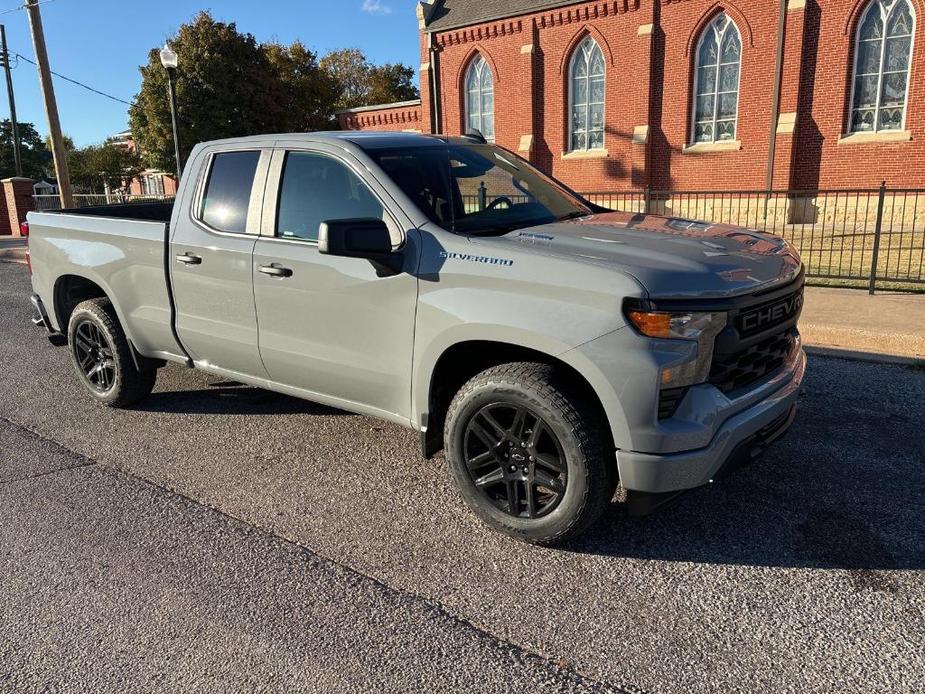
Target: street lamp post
(169, 61)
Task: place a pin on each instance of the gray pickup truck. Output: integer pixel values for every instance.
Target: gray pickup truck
(553, 349)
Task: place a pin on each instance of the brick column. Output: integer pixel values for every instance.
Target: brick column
(428, 107)
(17, 201)
(640, 176)
(788, 116)
(526, 96)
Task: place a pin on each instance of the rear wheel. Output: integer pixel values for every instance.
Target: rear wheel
(102, 356)
(527, 451)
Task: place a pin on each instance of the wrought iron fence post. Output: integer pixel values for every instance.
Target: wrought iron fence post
(647, 199)
(483, 196)
(877, 230)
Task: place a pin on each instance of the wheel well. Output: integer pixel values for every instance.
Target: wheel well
(70, 290)
(464, 360)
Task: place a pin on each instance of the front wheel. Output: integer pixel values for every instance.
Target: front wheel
(102, 356)
(527, 452)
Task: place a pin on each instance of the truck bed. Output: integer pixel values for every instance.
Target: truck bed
(145, 211)
(119, 248)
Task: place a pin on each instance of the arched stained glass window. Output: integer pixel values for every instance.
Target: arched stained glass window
(586, 97)
(716, 81)
(883, 56)
(480, 99)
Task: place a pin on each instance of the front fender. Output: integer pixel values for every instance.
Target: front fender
(523, 298)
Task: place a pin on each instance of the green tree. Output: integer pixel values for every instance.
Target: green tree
(391, 82)
(36, 157)
(229, 85)
(225, 84)
(305, 92)
(360, 83)
(349, 69)
(95, 167)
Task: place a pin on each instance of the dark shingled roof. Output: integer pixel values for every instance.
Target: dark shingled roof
(451, 14)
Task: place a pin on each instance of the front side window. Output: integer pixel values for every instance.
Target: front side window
(883, 55)
(716, 78)
(316, 188)
(476, 189)
(228, 191)
(480, 99)
(587, 77)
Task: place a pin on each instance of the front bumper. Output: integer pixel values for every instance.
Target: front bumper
(760, 423)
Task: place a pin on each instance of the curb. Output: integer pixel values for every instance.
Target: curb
(13, 249)
(13, 255)
(872, 357)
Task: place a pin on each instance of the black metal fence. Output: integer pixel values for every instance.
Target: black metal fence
(859, 237)
(47, 203)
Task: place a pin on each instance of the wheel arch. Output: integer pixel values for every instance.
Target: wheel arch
(71, 289)
(462, 360)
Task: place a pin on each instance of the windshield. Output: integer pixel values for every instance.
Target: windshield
(478, 189)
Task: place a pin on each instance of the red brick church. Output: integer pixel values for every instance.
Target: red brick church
(679, 94)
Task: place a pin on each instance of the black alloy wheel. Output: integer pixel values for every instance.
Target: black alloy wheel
(95, 356)
(515, 460)
(528, 448)
(102, 356)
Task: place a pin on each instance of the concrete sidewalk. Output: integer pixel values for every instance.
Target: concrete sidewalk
(13, 248)
(853, 323)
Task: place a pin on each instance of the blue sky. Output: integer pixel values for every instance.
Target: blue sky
(102, 43)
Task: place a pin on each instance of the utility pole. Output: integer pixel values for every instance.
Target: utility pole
(59, 153)
(9, 90)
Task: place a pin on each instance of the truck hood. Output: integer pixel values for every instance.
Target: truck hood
(670, 257)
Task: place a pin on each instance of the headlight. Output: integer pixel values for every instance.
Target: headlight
(682, 326)
(696, 326)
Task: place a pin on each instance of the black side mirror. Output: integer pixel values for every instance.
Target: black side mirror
(360, 238)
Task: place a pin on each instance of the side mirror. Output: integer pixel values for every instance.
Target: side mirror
(360, 238)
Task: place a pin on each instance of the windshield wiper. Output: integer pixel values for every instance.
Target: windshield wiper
(574, 215)
(497, 229)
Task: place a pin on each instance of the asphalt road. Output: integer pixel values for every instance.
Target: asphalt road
(224, 537)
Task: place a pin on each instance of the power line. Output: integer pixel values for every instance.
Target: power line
(56, 74)
(73, 81)
(22, 7)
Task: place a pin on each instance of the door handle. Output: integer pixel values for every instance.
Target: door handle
(275, 271)
(189, 259)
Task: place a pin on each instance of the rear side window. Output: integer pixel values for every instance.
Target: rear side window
(316, 188)
(228, 191)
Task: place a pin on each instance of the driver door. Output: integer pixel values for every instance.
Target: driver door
(329, 325)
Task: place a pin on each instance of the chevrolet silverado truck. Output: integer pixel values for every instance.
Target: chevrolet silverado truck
(551, 348)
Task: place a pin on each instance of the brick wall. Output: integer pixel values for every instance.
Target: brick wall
(403, 117)
(649, 48)
(825, 95)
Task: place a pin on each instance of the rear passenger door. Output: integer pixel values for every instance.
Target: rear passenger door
(212, 245)
(327, 324)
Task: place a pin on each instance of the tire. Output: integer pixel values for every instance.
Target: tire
(96, 342)
(569, 430)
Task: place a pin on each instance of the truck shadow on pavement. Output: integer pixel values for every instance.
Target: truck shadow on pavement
(844, 489)
(230, 397)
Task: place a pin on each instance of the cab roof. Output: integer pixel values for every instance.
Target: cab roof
(364, 139)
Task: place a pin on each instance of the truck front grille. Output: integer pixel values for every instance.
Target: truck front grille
(747, 366)
(764, 316)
